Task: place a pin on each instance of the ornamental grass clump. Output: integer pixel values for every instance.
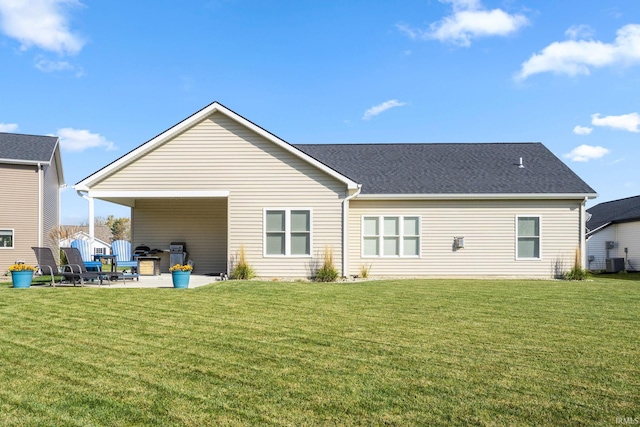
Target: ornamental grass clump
(242, 270)
(328, 272)
(577, 272)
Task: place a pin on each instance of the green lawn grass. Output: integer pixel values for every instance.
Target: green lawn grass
(410, 352)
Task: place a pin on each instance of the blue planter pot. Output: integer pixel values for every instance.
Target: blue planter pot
(180, 279)
(22, 279)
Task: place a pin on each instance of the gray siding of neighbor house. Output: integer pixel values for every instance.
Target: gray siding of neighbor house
(624, 235)
(19, 187)
(51, 204)
(489, 229)
(220, 154)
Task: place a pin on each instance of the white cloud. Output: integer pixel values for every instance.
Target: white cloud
(629, 122)
(380, 108)
(579, 32)
(8, 127)
(573, 57)
(41, 23)
(49, 66)
(582, 130)
(469, 20)
(584, 153)
(80, 140)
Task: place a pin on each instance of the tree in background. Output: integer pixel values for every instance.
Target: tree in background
(120, 227)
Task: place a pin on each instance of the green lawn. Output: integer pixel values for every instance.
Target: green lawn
(410, 352)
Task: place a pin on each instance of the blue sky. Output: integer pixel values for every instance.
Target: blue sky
(108, 76)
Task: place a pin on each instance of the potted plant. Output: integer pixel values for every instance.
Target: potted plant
(180, 275)
(21, 275)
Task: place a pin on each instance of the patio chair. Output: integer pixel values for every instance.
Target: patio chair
(84, 246)
(78, 268)
(122, 251)
(47, 265)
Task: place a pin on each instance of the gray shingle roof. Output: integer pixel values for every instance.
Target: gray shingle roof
(459, 168)
(27, 148)
(612, 212)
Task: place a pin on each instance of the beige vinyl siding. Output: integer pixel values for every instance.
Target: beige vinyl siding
(596, 248)
(19, 187)
(218, 154)
(51, 205)
(200, 223)
(488, 228)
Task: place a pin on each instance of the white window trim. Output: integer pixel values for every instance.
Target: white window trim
(539, 238)
(287, 233)
(381, 236)
(13, 238)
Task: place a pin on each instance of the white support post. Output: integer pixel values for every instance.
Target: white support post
(92, 220)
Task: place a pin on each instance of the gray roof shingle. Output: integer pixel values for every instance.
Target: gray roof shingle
(622, 210)
(27, 148)
(450, 168)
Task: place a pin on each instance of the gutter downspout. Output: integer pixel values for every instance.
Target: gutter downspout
(40, 204)
(583, 226)
(345, 229)
(91, 213)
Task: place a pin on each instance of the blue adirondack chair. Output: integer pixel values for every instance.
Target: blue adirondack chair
(84, 246)
(122, 250)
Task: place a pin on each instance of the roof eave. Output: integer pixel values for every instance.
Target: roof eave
(480, 196)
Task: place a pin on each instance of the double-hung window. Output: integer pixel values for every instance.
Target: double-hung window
(6, 238)
(528, 237)
(287, 232)
(391, 236)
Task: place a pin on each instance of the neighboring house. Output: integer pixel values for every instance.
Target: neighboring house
(613, 231)
(219, 183)
(30, 181)
(101, 243)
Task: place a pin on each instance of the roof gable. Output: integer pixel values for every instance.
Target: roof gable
(192, 120)
(460, 168)
(615, 211)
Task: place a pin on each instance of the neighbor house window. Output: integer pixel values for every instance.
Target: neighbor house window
(393, 236)
(99, 251)
(528, 237)
(6, 239)
(287, 232)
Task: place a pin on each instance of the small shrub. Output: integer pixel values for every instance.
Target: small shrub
(328, 272)
(242, 270)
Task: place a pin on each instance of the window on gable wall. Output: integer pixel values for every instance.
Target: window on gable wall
(391, 236)
(6, 239)
(287, 232)
(528, 237)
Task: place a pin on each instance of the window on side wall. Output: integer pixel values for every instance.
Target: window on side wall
(528, 237)
(6, 238)
(391, 236)
(287, 232)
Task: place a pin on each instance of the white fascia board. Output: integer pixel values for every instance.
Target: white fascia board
(516, 196)
(592, 232)
(23, 162)
(156, 194)
(85, 184)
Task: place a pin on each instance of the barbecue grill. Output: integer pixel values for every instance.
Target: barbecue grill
(177, 253)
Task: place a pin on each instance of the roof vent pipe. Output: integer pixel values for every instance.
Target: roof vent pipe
(521, 165)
